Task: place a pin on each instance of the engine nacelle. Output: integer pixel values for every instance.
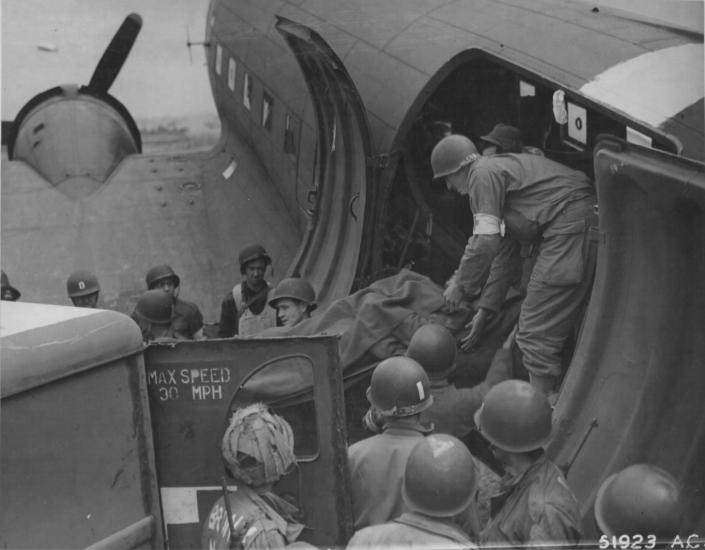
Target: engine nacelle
(74, 137)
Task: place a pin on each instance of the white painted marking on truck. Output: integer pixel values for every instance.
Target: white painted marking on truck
(180, 504)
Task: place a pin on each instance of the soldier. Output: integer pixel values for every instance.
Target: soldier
(538, 201)
(535, 507)
(440, 483)
(187, 322)
(83, 289)
(506, 139)
(244, 310)
(399, 390)
(294, 299)
(153, 313)
(434, 347)
(8, 292)
(258, 449)
(502, 139)
(641, 500)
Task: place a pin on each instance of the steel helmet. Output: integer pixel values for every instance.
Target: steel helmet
(399, 387)
(434, 348)
(256, 433)
(294, 289)
(642, 498)
(251, 253)
(82, 283)
(155, 306)
(515, 417)
(5, 284)
(159, 273)
(451, 154)
(440, 478)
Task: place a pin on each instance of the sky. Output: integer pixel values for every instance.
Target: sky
(157, 80)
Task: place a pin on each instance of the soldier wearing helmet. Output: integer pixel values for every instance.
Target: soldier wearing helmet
(153, 314)
(523, 198)
(641, 499)
(8, 292)
(83, 289)
(434, 348)
(294, 299)
(440, 484)
(258, 449)
(187, 321)
(537, 506)
(244, 310)
(399, 391)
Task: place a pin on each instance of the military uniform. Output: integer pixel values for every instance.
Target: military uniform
(377, 470)
(538, 201)
(257, 317)
(187, 319)
(453, 408)
(537, 507)
(260, 521)
(411, 530)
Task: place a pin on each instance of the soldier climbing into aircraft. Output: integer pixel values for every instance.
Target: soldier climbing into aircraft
(244, 310)
(528, 198)
(187, 321)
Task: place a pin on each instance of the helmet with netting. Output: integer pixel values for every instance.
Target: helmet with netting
(258, 446)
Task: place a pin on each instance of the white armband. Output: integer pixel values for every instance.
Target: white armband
(487, 224)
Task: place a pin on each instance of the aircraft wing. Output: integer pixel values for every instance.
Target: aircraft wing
(192, 211)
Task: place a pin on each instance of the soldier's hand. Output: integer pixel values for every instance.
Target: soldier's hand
(509, 342)
(453, 296)
(477, 327)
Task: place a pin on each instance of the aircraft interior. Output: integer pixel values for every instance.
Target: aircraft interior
(427, 225)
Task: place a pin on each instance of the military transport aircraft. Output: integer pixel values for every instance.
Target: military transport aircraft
(329, 110)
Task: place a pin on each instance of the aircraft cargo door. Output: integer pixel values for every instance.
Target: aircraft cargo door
(194, 386)
(634, 390)
(330, 252)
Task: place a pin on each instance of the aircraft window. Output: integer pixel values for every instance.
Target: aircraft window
(247, 92)
(285, 384)
(267, 108)
(218, 59)
(526, 89)
(290, 132)
(231, 73)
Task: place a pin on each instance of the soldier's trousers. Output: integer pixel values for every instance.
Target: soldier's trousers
(560, 282)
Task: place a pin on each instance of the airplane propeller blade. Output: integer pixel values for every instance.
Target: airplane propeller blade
(116, 53)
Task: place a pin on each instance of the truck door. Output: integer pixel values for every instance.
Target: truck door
(633, 391)
(343, 171)
(192, 388)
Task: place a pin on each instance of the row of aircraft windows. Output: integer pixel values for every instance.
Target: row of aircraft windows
(267, 112)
